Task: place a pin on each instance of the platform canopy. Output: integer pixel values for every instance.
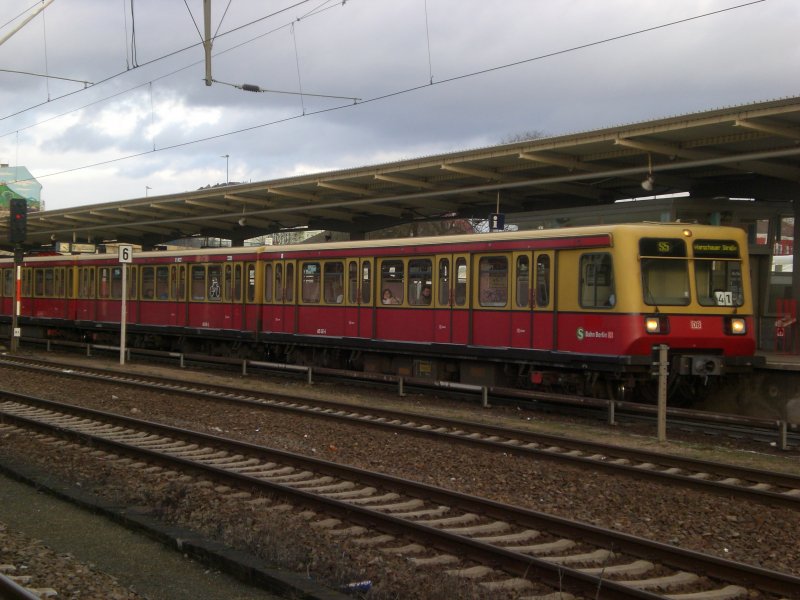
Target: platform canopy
(750, 151)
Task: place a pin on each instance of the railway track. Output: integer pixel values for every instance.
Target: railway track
(505, 547)
(777, 432)
(768, 487)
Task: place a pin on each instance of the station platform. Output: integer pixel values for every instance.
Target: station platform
(780, 361)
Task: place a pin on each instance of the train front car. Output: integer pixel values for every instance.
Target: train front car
(686, 287)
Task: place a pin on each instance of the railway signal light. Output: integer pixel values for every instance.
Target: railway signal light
(18, 220)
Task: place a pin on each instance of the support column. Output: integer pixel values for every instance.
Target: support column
(796, 249)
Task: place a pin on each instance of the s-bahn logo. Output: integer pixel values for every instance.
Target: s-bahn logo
(583, 334)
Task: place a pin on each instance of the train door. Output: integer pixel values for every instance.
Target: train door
(252, 301)
(233, 295)
(6, 291)
(87, 292)
(358, 305)
(532, 306)
(177, 284)
(279, 296)
(491, 317)
(451, 314)
(543, 303)
(522, 303)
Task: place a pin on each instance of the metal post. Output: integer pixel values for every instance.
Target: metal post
(15, 330)
(207, 41)
(612, 420)
(485, 397)
(123, 315)
(783, 442)
(663, 371)
(125, 258)
(400, 391)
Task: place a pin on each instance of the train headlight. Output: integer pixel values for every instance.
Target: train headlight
(658, 324)
(736, 326)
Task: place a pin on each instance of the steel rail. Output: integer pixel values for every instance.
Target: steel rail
(513, 562)
(741, 481)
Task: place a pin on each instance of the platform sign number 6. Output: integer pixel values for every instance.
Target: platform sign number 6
(125, 253)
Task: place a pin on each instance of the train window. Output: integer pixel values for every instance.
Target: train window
(179, 282)
(162, 282)
(116, 283)
(543, 281)
(38, 282)
(148, 283)
(493, 281)
(232, 286)
(310, 283)
(26, 282)
(279, 283)
(523, 282)
(352, 282)
(86, 287)
(214, 283)
(8, 283)
(333, 277)
(392, 277)
(420, 275)
(58, 283)
(227, 283)
(198, 275)
(462, 280)
(132, 279)
(288, 290)
(268, 282)
(237, 282)
(597, 281)
(665, 281)
(366, 282)
(104, 277)
(719, 282)
(173, 281)
(444, 281)
(71, 282)
(251, 282)
(49, 283)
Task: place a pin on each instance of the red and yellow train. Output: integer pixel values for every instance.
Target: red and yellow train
(578, 309)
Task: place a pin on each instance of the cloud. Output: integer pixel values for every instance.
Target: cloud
(545, 70)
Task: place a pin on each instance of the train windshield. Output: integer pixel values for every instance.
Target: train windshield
(665, 271)
(718, 273)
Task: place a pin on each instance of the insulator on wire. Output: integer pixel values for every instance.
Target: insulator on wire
(249, 87)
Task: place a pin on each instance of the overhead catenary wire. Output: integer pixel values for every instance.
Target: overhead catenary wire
(314, 12)
(428, 38)
(249, 87)
(44, 40)
(136, 64)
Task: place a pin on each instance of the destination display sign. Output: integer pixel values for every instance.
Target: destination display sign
(665, 247)
(715, 249)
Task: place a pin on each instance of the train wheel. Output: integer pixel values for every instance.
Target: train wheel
(647, 391)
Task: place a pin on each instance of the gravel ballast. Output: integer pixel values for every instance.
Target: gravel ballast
(736, 530)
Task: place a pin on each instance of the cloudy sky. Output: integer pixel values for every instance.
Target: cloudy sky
(382, 80)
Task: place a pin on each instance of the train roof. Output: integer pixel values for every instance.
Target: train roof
(612, 230)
